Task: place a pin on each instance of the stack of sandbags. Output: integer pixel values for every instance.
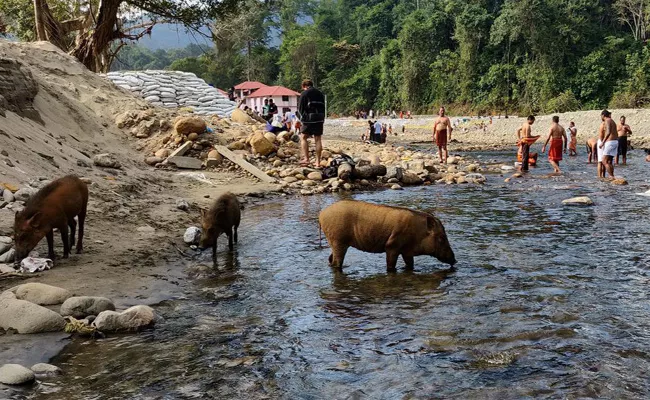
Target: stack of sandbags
(174, 89)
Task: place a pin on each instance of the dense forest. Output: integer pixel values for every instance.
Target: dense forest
(471, 55)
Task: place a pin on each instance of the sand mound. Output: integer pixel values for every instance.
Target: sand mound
(55, 114)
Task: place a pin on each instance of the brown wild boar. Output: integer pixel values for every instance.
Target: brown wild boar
(223, 217)
(384, 229)
(54, 206)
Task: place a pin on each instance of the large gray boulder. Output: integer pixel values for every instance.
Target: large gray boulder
(15, 374)
(40, 293)
(133, 319)
(25, 193)
(83, 306)
(409, 178)
(26, 317)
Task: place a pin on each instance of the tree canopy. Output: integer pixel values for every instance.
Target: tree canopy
(473, 55)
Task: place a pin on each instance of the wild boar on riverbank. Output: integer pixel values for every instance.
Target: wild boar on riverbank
(54, 206)
(223, 217)
(384, 229)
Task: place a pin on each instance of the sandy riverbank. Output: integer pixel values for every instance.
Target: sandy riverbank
(501, 134)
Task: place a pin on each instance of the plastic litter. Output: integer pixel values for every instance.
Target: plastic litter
(32, 264)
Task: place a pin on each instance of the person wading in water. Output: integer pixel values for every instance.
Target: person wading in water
(607, 145)
(523, 134)
(624, 131)
(442, 134)
(557, 137)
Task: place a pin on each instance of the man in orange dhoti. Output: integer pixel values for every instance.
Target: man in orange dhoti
(557, 137)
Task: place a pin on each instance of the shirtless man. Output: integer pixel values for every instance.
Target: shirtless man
(573, 141)
(607, 145)
(623, 131)
(441, 134)
(523, 133)
(557, 137)
(592, 149)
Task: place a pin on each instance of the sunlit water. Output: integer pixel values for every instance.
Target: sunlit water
(547, 301)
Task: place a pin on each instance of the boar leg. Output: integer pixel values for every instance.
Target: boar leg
(50, 245)
(235, 233)
(214, 249)
(409, 261)
(65, 239)
(230, 244)
(391, 259)
(338, 255)
(73, 226)
(82, 219)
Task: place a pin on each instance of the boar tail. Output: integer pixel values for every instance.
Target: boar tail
(320, 236)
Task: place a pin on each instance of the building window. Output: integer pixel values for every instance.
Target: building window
(285, 99)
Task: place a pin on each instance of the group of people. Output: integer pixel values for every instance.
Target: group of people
(607, 148)
(377, 132)
(389, 113)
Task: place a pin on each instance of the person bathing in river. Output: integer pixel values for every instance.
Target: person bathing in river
(573, 141)
(607, 145)
(442, 134)
(557, 137)
(624, 131)
(523, 134)
(592, 149)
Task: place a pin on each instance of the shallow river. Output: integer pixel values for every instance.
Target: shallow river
(547, 301)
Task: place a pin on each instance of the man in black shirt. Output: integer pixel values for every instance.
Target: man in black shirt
(311, 111)
(273, 109)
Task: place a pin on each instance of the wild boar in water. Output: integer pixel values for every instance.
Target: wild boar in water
(223, 217)
(54, 206)
(384, 229)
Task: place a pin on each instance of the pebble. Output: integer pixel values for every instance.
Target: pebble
(43, 369)
(182, 204)
(8, 196)
(396, 187)
(133, 319)
(393, 180)
(192, 235)
(579, 201)
(315, 176)
(83, 306)
(24, 194)
(146, 229)
(15, 374)
(106, 160)
(308, 183)
(347, 186)
(8, 257)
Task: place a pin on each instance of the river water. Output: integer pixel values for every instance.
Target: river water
(548, 301)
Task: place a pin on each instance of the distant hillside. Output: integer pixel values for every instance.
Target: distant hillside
(172, 36)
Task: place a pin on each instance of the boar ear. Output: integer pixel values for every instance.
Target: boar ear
(35, 220)
(431, 223)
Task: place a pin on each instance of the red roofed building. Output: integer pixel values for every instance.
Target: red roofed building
(285, 99)
(246, 88)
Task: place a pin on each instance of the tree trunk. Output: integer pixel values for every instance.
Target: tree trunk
(93, 45)
(38, 20)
